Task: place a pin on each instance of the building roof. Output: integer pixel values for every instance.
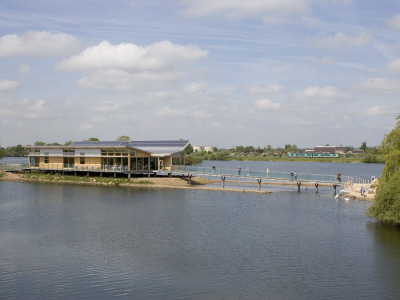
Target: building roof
(164, 147)
(157, 148)
(98, 144)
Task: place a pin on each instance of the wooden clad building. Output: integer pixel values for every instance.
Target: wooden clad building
(107, 156)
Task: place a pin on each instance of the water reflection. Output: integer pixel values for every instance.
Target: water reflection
(91, 242)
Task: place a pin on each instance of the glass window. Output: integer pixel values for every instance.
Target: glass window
(69, 162)
(82, 160)
(69, 152)
(46, 159)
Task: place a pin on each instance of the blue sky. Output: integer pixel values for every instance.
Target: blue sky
(224, 73)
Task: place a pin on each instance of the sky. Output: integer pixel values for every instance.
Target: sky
(217, 72)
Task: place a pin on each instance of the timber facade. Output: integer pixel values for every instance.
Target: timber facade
(135, 157)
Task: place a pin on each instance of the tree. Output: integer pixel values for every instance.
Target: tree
(363, 146)
(39, 143)
(92, 139)
(124, 138)
(189, 149)
(67, 143)
(2, 152)
(16, 151)
(386, 206)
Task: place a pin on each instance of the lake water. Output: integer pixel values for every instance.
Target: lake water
(89, 242)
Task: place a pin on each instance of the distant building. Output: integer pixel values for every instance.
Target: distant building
(206, 148)
(330, 149)
(358, 151)
(325, 149)
(198, 148)
(209, 148)
(341, 149)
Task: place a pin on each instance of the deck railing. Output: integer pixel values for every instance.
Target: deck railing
(259, 174)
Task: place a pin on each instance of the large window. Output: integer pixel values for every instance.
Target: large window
(69, 162)
(34, 161)
(46, 159)
(82, 160)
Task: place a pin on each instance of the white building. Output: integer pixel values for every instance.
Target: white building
(198, 148)
(209, 148)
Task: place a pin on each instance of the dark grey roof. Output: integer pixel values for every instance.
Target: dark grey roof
(98, 144)
(159, 144)
(160, 148)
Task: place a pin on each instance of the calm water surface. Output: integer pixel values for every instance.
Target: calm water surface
(87, 242)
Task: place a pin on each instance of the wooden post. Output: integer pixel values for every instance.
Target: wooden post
(190, 178)
(259, 184)
(298, 185)
(148, 167)
(316, 187)
(223, 181)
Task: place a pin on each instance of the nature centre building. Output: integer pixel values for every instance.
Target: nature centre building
(134, 157)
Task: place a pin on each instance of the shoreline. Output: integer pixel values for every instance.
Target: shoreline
(198, 183)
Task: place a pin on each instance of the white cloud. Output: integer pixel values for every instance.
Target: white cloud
(194, 87)
(328, 94)
(342, 2)
(86, 126)
(394, 22)
(269, 89)
(394, 66)
(8, 85)
(377, 111)
(266, 104)
(379, 85)
(128, 56)
(37, 43)
(127, 66)
(271, 11)
(22, 108)
(342, 40)
(24, 69)
(167, 112)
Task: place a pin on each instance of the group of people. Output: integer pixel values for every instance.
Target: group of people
(293, 175)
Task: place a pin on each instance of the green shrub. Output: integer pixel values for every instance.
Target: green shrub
(386, 206)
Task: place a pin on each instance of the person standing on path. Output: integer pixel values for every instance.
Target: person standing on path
(239, 169)
(267, 172)
(248, 172)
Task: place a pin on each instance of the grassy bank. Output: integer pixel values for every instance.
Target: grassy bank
(82, 179)
(145, 181)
